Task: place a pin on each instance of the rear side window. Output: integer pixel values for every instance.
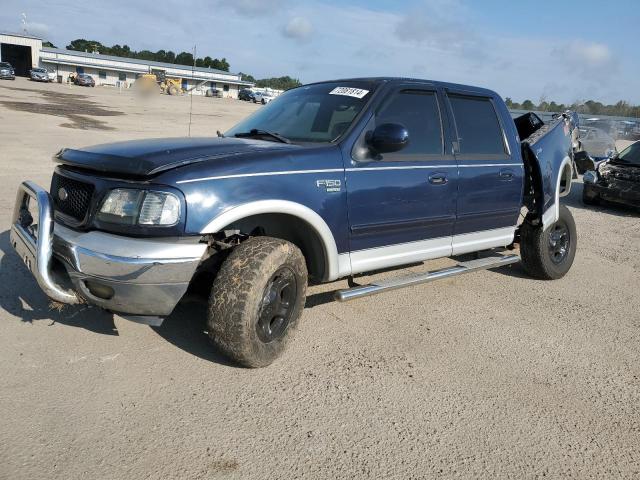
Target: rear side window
(478, 127)
(418, 112)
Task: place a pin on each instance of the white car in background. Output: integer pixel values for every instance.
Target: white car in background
(41, 75)
(262, 97)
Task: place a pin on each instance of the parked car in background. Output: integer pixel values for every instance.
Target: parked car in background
(616, 179)
(40, 75)
(213, 92)
(6, 71)
(262, 97)
(85, 80)
(246, 95)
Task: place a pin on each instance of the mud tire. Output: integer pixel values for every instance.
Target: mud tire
(239, 297)
(536, 248)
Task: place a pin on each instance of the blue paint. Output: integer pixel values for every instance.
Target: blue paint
(379, 202)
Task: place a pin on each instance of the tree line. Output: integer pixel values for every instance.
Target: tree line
(590, 107)
(181, 58)
(277, 83)
(164, 56)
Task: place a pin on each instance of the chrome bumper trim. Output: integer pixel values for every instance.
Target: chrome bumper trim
(104, 255)
(37, 252)
(147, 277)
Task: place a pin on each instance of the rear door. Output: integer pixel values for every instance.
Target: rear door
(490, 177)
(402, 204)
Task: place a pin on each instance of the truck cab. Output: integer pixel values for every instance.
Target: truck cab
(327, 181)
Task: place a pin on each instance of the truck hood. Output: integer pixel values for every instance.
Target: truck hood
(141, 158)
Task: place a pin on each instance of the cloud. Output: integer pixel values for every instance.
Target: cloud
(590, 54)
(443, 25)
(38, 29)
(298, 28)
(593, 61)
(254, 8)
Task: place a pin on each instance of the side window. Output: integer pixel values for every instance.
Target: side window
(418, 112)
(479, 130)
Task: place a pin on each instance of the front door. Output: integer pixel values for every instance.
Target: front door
(402, 205)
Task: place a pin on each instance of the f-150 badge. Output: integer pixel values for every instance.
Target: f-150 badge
(329, 185)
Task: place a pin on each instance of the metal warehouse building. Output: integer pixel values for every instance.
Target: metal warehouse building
(25, 52)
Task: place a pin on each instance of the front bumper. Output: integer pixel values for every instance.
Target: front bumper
(134, 277)
(626, 193)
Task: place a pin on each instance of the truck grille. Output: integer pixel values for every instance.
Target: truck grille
(71, 197)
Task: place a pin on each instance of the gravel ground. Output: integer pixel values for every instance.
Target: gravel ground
(490, 375)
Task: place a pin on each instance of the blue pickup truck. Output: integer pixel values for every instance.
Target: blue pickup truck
(328, 181)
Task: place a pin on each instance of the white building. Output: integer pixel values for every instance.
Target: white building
(25, 52)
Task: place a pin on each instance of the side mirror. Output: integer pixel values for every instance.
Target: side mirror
(387, 138)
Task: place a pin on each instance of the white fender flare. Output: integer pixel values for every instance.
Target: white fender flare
(552, 214)
(336, 265)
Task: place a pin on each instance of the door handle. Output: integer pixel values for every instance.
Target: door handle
(506, 175)
(438, 178)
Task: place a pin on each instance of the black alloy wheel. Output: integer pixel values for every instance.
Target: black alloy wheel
(277, 305)
(559, 242)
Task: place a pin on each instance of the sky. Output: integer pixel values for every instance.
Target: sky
(562, 50)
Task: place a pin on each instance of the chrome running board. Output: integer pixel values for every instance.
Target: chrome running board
(485, 263)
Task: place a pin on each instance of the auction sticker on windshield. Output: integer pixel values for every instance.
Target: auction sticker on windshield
(349, 92)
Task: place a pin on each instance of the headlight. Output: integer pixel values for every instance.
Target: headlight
(140, 207)
(590, 177)
(159, 209)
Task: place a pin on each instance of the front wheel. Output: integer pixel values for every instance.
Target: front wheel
(256, 300)
(548, 254)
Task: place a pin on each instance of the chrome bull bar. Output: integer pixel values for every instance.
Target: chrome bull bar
(34, 241)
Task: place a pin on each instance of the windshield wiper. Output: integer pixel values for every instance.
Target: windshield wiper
(255, 132)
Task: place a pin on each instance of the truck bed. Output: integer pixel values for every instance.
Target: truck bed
(547, 148)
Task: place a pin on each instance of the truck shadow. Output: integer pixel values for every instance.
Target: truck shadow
(186, 328)
(20, 295)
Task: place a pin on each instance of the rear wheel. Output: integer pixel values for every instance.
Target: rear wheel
(256, 300)
(548, 254)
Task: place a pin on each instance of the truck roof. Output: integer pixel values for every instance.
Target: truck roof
(454, 86)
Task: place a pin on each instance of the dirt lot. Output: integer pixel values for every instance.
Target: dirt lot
(489, 375)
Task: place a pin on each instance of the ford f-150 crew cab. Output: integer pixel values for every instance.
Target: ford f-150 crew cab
(327, 181)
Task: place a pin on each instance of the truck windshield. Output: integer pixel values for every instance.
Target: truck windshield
(313, 113)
